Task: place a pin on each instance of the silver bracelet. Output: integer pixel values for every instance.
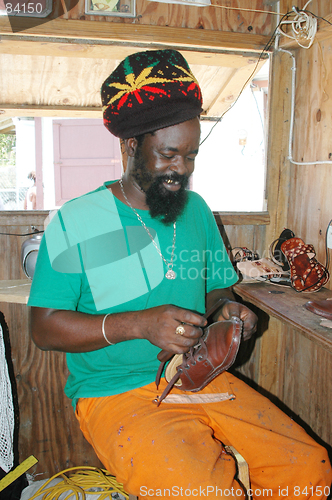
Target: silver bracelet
(103, 329)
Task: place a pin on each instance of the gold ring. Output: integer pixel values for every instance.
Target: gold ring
(180, 330)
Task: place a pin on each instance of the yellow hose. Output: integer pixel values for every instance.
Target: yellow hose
(81, 480)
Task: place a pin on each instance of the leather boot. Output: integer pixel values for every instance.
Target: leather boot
(214, 353)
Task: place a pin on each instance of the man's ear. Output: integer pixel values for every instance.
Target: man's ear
(130, 145)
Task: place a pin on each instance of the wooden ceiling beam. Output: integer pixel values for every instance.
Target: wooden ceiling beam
(51, 111)
(144, 35)
(40, 47)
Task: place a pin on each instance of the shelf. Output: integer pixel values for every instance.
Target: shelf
(15, 291)
(287, 305)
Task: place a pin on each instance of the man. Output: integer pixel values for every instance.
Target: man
(30, 200)
(130, 269)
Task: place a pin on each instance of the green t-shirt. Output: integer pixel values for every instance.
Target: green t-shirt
(95, 257)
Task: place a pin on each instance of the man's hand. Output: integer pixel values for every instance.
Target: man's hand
(160, 324)
(232, 308)
(73, 331)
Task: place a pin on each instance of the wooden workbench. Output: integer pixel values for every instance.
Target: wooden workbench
(290, 358)
(287, 305)
(15, 291)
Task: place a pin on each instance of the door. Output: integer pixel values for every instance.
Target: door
(85, 156)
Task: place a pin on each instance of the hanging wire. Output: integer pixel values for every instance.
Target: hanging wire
(19, 234)
(303, 25)
(265, 49)
(247, 10)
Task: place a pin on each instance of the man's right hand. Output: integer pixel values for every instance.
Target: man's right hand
(73, 331)
(160, 324)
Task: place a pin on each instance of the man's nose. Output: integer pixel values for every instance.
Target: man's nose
(180, 165)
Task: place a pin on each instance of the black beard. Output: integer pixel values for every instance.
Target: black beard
(164, 205)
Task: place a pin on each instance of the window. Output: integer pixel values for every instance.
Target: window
(230, 166)
(229, 173)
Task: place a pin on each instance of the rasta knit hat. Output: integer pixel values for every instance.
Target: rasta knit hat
(148, 91)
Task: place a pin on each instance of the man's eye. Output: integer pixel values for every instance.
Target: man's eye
(168, 157)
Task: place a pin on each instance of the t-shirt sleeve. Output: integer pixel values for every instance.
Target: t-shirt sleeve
(51, 287)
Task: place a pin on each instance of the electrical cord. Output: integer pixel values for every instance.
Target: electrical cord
(319, 17)
(291, 126)
(18, 234)
(303, 25)
(309, 32)
(246, 10)
(265, 49)
(327, 260)
(79, 481)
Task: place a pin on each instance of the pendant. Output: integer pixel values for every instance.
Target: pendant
(170, 275)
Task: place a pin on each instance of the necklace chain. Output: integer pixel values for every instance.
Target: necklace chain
(170, 273)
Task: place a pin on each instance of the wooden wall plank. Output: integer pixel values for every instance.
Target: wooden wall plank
(48, 429)
(310, 203)
(17, 225)
(229, 86)
(66, 86)
(278, 168)
(242, 218)
(252, 237)
(22, 218)
(44, 46)
(36, 110)
(292, 372)
(102, 30)
(308, 369)
(298, 195)
(54, 81)
(63, 86)
(234, 15)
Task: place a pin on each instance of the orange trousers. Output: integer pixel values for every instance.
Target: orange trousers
(177, 449)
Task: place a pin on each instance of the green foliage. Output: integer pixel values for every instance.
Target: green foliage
(7, 148)
(7, 161)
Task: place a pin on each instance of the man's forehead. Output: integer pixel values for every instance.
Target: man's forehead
(186, 133)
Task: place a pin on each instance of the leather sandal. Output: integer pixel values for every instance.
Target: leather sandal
(307, 274)
(321, 307)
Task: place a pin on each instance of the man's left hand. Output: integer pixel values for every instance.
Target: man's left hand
(232, 308)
